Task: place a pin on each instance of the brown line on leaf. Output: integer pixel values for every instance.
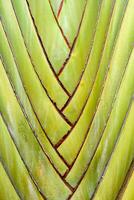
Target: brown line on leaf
(88, 164)
(71, 96)
(85, 66)
(60, 8)
(63, 139)
(54, 104)
(63, 35)
(31, 176)
(36, 137)
(23, 110)
(59, 143)
(74, 43)
(44, 51)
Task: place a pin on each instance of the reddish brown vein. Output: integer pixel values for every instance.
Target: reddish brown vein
(63, 35)
(108, 116)
(79, 182)
(88, 57)
(71, 96)
(55, 106)
(36, 137)
(68, 133)
(23, 110)
(59, 143)
(60, 8)
(43, 48)
(74, 43)
(84, 172)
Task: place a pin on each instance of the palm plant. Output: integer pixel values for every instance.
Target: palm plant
(66, 99)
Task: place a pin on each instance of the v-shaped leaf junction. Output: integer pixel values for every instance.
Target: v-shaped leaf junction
(66, 99)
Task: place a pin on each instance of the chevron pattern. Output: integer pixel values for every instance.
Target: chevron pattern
(66, 99)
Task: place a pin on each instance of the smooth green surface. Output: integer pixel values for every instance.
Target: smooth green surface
(49, 32)
(76, 64)
(15, 167)
(70, 147)
(129, 192)
(95, 165)
(14, 78)
(118, 166)
(71, 17)
(5, 185)
(66, 130)
(37, 162)
(53, 123)
(90, 88)
(116, 170)
(35, 50)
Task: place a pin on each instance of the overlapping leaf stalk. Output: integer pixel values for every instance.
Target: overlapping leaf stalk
(66, 99)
